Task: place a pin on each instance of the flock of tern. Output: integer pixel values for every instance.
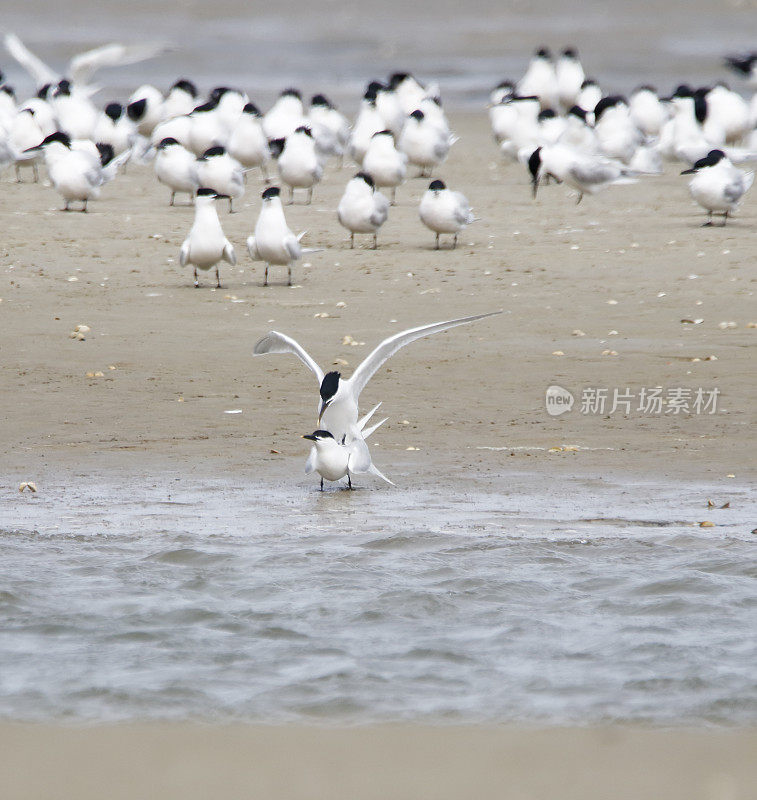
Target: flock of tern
(554, 121)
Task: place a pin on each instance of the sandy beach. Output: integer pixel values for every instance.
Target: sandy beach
(201, 761)
(623, 291)
(626, 286)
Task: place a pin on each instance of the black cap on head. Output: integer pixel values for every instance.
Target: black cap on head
(321, 100)
(577, 111)
(547, 113)
(251, 108)
(436, 186)
(211, 105)
(304, 129)
(276, 146)
(570, 52)
(270, 192)
(700, 105)
(417, 114)
(58, 136)
(319, 434)
(712, 158)
(329, 385)
(534, 162)
(205, 191)
(63, 88)
(9, 90)
(385, 132)
(370, 96)
(589, 82)
(114, 111)
(646, 87)
(136, 110)
(106, 152)
(543, 52)
(43, 91)
(167, 142)
(683, 90)
(366, 177)
(186, 86)
(397, 78)
(219, 91)
(211, 152)
(607, 102)
(376, 87)
(291, 93)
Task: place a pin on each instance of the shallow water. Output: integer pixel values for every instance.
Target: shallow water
(257, 602)
(337, 48)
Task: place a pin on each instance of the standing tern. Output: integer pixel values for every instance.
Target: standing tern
(75, 172)
(222, 173)
(444, 211)
(362, 209)
(338, 404)
(206, 243)
(717, 185)
(384, 163)
(176, 167)
(272, 241)
(334, 461)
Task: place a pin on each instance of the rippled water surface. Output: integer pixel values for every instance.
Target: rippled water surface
(256, 602)
(338, 47)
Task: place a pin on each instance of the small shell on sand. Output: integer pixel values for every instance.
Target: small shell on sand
(30, 485)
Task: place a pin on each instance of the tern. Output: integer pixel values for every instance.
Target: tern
(272, 241)
(299, 165)
(445, 211)
(338, 403)
(384, 163)
(75, 172)
(248, 143)
(334, 461)
(222, 173)
(83, 66)
(717, 185)
(362, 209)
(176, 167)
(424, 142)
(206, 243)
(586, 174)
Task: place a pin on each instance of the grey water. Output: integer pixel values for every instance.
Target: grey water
(337, 47)
(584, 601)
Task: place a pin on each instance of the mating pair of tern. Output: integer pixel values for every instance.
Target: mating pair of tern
(339, 444)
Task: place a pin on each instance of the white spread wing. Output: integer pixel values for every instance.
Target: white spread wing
(275, 342)
(390, 346)
(83, 67)
(37, 68)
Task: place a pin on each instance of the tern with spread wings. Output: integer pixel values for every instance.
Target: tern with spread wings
(339, 397)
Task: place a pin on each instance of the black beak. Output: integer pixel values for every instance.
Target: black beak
(688, 171)
(32, 149)
(534, 186)
(324, 406)
(309, 436)
(223, 197)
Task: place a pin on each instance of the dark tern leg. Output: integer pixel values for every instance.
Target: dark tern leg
(197, 280)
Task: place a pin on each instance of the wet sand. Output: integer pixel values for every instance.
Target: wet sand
(624, 267)
(200, 761)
